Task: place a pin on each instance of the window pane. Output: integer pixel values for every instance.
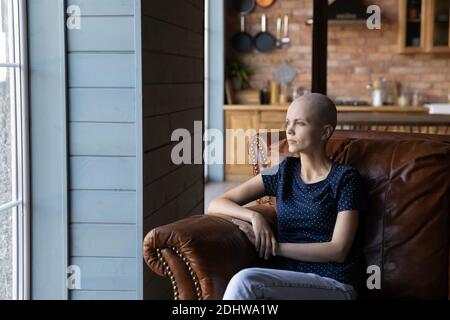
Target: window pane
(6, 252)
(6, 32)
(5, 136)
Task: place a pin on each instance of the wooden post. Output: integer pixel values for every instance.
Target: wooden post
(320, 47)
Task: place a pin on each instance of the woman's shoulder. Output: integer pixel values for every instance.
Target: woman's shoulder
(345, 172)
(289, 163)
(286, 164)
(291, 159)
(288, 160)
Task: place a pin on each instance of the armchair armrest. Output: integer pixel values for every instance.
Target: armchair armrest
(201, 253)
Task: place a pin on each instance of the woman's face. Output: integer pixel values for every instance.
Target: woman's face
(303, 131)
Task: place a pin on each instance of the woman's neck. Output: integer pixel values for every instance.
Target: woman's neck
(315, 166)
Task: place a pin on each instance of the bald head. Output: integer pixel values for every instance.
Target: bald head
(318, 107)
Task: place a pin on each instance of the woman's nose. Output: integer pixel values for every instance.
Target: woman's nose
(289, 129)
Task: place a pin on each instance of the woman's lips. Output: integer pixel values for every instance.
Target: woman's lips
(291, 141)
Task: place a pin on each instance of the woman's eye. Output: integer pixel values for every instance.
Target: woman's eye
(286, 124)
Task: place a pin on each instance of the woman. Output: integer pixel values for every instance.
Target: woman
(314, 251)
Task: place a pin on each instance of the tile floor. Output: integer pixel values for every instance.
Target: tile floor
(215, 189)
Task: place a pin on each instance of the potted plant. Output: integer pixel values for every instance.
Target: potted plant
(239, 73)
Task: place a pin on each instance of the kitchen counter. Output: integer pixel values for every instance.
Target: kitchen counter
(355, 115)
(406, 118)
(267, 117)
(383, 109)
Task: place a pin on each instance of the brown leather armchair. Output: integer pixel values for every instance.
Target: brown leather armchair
(405, 231)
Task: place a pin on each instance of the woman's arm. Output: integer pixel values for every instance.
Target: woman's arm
(350, 195)
(231, 204)
(334, 251)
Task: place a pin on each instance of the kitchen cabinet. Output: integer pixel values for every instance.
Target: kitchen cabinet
(439, 39)
(237, 164)
(412, 26)
(424, 26)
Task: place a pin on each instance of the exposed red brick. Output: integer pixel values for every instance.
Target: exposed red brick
(357, 55)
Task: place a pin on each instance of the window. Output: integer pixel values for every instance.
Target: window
(13, 153)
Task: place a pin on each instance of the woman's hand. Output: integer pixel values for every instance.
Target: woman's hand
(260, 234)
(265, 241)
(246, 228)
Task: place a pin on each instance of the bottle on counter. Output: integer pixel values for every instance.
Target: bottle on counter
(416, 99)
(377, 93)
(404, 98)
(297, 92)
(274, 92)
(265, 93)
(377, 98)
(284, 94)
(390, 93)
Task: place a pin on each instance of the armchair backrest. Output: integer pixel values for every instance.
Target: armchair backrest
(406, 228)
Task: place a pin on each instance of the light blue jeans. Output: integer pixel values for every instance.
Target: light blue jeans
(267, 284)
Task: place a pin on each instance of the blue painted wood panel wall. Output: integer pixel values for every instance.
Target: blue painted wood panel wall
(89, 164)
(103, 80)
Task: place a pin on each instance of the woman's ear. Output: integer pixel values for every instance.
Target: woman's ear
(327, 131)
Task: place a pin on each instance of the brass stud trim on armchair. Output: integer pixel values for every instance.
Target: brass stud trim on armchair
(194, 277)
(256, 144)
(169, 273)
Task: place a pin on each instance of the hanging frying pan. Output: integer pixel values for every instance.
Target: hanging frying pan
(242, 41)
(244, 7)
(265, 3)
(264, 41)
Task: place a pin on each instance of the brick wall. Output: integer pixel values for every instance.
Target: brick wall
(356, 54)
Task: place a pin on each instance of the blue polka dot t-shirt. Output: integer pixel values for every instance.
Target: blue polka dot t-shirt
(307, 212)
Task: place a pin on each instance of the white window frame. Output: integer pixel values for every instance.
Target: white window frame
(20, 204)
(206, 86)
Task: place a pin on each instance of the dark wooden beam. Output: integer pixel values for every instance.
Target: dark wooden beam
(320, 47)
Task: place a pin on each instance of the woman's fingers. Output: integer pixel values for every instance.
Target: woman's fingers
(257, 240)
(263, 249)
(247, 231)
(245, 228)
(263, 245)
(250, 234)
(263, 239)
(237, 222)
(268, 247)
(242, 225)
(252, 237)
(274, 246)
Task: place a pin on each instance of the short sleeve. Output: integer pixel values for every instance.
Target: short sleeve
(271, 177)
(351, 192)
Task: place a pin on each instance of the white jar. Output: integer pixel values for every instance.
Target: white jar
(377, 98)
